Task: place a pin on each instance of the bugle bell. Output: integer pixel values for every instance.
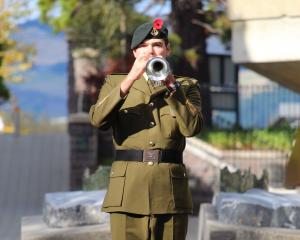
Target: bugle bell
(157, 70)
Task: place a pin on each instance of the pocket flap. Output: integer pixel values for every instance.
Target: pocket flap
(118, 169)
(131, 110)
(164, 111)
(167, 110)
(178, 172)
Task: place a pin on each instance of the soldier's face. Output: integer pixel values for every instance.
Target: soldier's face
(152, 48)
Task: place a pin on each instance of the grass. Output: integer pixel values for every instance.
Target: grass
(258, 139)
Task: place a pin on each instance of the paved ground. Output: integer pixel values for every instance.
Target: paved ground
(29, 167)
(192, 228)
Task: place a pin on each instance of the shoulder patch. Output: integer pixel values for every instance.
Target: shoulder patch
(186, 80)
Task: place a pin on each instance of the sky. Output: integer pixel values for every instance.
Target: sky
(55, 54)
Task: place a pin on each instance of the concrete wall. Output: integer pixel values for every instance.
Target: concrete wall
(265, 38)
(257, 9)
(265, 31)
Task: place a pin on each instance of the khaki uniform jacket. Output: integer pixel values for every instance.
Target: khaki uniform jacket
(148, 119)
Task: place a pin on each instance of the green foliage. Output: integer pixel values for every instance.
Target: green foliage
(98, 180)
(14, 56)
(4, 93)
(191, 56)
(239, 181)
(175, 44)
(31, 125)
(216, 17)
(277, 139)
(101, 24)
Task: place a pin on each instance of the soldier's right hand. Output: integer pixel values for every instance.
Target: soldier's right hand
(135, 73)
(139, 65)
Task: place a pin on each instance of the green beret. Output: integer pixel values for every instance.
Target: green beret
(148, 31)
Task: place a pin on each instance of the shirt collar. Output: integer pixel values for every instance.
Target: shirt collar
(145, 76)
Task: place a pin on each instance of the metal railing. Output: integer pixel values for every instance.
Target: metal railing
(259, 132)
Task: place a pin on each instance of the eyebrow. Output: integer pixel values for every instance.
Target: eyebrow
(153, 43)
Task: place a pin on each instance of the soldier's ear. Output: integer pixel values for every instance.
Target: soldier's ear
(168, 49)
(134, 52)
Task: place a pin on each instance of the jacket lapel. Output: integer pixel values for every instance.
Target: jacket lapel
(142, 85)
(156, 90)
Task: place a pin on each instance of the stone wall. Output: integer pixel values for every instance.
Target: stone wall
(273, 161)
(211, 229)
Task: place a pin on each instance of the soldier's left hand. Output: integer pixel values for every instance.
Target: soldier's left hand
(170, 79)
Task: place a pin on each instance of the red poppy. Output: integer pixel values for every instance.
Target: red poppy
(158, 23)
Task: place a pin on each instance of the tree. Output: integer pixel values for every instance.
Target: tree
(194, 61)
(98, 33)
(14, 56)
(193, 24)
(101, 24)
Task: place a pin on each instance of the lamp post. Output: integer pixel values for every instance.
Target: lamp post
(16, 116)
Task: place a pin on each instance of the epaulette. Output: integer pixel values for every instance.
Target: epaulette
(118, 73)
(115, 77)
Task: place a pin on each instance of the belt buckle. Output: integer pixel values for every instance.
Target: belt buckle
(152, 155)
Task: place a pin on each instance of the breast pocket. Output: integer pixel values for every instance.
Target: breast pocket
(181, 192)
(116, 185)
(130, 121)
(168, 123)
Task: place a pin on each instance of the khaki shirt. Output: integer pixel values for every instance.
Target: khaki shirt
(147, 119)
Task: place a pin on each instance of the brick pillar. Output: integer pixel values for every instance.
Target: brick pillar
(83, 146)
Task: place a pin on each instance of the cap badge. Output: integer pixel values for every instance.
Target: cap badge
(154, 32)
(157, 25)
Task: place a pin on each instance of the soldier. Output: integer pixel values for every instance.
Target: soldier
(148, 195)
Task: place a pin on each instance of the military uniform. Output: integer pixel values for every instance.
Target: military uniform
(148, 195)
(147, 119)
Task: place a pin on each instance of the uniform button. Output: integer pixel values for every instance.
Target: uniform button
(151, 124)
(151, 104)
(151, 143)
(150, 163)
(125, 111)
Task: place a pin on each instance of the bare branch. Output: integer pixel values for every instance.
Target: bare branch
(206, 26)
(200, 12)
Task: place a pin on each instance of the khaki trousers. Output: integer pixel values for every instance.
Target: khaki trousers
(126, 226)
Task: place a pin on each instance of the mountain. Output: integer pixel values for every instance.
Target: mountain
(51, 80)
(45, 90)
(41, 104)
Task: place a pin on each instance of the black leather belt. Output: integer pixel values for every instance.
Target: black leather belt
(151, 155)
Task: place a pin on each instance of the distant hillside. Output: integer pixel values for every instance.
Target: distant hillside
(45, 90)
(41, 104)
